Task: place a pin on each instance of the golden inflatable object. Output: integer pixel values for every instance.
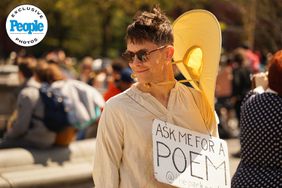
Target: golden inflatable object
(197, 43)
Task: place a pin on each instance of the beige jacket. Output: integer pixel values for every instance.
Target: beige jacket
(124, 155)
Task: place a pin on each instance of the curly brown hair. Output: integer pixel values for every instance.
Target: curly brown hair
(48, 73)
(151, 26)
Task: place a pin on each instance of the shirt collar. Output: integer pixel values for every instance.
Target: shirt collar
(268, 90)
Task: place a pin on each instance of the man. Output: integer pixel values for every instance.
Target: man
(124, 153)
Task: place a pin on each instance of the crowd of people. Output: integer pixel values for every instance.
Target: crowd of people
(234, 81)
(246, 89)
(87, 87)
(111, 77)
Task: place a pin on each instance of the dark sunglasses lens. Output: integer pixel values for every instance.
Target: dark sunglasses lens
(142, 55)
(128, 56)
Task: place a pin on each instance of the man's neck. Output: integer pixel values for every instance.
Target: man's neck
(161, 91)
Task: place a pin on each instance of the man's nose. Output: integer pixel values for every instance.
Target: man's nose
(136, 60)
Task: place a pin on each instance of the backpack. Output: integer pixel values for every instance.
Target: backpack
(55, 114)
(82, 101)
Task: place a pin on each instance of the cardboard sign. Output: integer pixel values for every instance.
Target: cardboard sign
(186, 158)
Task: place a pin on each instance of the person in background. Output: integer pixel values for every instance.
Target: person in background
(261, 131)
(228, 124)
(86, 73)
(54, 74)
(252, 58)
(65, 64)
(83, 103)
(126, 79)
(101, 70)
(26, 65)
(124, 151)
(117, 66)
(241, 82)
(122, 81)
(114, 78)
(27, 131)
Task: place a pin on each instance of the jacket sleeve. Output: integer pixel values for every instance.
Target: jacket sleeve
(109, 148)
(25, 108)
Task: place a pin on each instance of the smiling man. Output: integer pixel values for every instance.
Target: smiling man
(124, 149)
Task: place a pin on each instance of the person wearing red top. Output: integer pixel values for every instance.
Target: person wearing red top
(120, 85)
(112, 91)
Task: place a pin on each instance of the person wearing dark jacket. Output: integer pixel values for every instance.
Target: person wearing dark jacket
(241, 83)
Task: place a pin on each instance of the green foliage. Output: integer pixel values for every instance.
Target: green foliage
(97, 28)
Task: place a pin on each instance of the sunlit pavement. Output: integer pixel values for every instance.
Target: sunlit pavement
(233, 147)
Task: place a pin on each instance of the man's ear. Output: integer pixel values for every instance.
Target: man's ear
(170, 52)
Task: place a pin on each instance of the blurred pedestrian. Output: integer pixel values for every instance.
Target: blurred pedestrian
(65, 64)
(114, 78)
(86, 72)
(228, 123)
(83, 103)
(261, 131)
(119, 85)
(252, 58)
(241, 82)
(27, 131)
(55, 76)
(102, 70)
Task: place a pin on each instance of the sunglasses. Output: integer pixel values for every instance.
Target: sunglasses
(142, 55)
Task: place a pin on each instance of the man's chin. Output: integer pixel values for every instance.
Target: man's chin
(143, 80)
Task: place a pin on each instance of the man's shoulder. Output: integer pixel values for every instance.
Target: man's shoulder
(30, 90)
(32, 83)
(188, 89)
(118, 100)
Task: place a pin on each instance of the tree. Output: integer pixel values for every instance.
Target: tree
(97, 28)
